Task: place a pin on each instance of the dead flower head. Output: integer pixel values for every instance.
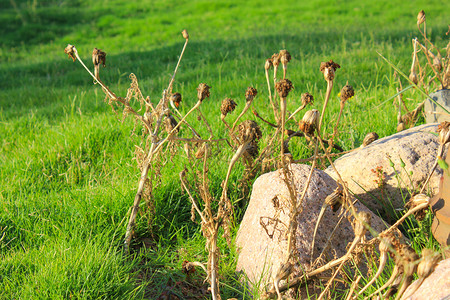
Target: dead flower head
(228, 106)
(346, 93)
(421, 17)
(444, 132)
(249, 131)
(370, 138)
(98, 57)
(417, 200)
(176, 99)
(307, 98)
(250, 94)
(203, 91)
(285, 57)
(268, 64)
(185, 34)
(69, 50)
(328, 69)
(310, 121)
(283, 87)
(276, 59)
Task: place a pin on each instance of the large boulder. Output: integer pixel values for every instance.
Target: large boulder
(262, 239)
(435, 287)
(361, 169)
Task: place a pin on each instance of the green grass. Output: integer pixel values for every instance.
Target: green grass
(67, 171)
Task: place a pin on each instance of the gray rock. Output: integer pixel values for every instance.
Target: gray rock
(442, 97)
(435, 287)
(262, 240)
(417, 147)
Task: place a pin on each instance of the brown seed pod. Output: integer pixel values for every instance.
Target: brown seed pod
(369, 139)
(203, 91)
(307, 98)
(176, 99)
(268, 64)
(346, 93)
(69, 50)
(328, 69)
(421, 17)
(437, 62)
(250, 94)
(428, 263)
(283, 87)
(285, 57)
(310, 121)
(417, 200)
(249, 131)
(185, 34)
(444, 132)
(228, 106)
(98, 57)
(413, 77)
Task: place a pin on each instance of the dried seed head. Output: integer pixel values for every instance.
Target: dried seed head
(417, 200)
(283, 87)
(276, 59)
(444, 132)
(310, 121)
(329, 69)
(428, 263)
(185, 34)
(253, 149)
(334, 200)
(413, 77)
(437, 62)
(268, 64)
(69, 50)
(98, 57)
(203, 91)
(250, 94)
(361, 223)
(307, 98)
(285, 57)
(200, 152)
(370, 138)
(176, 99)
(228, 106)
(420, 17)
(249, 131)
(346, 93)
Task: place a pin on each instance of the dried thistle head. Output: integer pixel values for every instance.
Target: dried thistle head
(421, 17)
(250, 94)
(307, 98)
(310, 121)
(285, 57)
(417, 200)
(329, 69)
(276, 59)
(283, 87)
(428, 263)
(362, 222)
(185, 34)
(228, 106)
(203, 91)
(268, 64)
(249, 131)
(346, 93)
(370, 138)
(176, 99)
(444, 132)
(98, 57)
(69, 50)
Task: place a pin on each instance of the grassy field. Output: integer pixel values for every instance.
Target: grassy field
(67, 174)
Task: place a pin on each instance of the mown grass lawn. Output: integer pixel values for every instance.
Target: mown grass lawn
(67, 173)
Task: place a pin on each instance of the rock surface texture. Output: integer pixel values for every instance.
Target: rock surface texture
(435, 287)
(262, 238)
(416, 147)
